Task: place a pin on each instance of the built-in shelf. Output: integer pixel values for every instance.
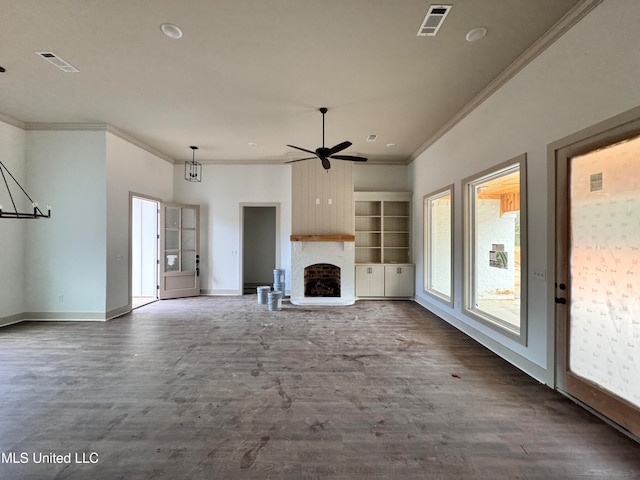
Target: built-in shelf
(383, 244)
(383, 227)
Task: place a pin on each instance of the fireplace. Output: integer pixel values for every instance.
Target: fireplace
(322, 280)
(322, 270)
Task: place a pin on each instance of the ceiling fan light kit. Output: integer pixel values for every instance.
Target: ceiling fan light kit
(324, 153)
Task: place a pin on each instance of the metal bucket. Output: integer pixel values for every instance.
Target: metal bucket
(274, 301)
(279, 287)
(278, 276)
(262, 294)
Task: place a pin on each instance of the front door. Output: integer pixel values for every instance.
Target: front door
(179, 244)
(598, 282)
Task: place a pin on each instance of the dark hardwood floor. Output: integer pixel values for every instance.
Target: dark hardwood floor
(221, 388)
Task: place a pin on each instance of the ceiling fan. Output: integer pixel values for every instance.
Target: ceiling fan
(324, 154)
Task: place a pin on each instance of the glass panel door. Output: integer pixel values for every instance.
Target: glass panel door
(604, 269)
(179, 246)
(597, 288)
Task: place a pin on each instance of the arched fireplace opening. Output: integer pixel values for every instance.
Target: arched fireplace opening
(322, 280)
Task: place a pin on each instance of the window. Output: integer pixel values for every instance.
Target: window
(495, 238)
(438, 244)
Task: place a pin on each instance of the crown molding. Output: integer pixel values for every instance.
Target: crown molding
(97, 127)
(563, 25)
(12, 121)
(139, 143)
(68, 127)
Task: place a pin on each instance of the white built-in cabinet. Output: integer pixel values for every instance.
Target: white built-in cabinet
(383, 244)
(369, 281)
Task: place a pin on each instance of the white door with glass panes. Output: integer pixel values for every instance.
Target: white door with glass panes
(179, 247)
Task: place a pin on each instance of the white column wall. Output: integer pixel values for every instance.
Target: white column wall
(12, 232)
(129, 168)
(65, 260)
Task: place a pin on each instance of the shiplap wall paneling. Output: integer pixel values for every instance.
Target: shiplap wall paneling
(313, 189)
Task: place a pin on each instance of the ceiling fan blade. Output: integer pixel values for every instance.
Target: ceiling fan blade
(303, 149)
(325, 163)
(349, 157)
(339, 147)
(300, 159)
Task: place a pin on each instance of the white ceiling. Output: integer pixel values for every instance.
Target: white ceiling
(257, 70)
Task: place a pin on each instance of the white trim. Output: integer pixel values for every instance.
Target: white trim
(214, 293)
(12, 121)
(64, 316)
(12, 319)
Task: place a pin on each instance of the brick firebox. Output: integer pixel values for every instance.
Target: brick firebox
(322, 280)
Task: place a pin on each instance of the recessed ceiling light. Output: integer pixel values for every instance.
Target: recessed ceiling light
(171, 30)
(475, 34)
(391, 145)
(253, 144)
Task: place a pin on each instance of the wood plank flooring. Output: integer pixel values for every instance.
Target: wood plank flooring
(221, 388)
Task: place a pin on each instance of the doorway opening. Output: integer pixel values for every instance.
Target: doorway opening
(144, 250)
(259, 245)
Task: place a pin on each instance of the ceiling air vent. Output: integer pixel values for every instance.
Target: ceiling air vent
(372, 138)
(58, 62)
(433, 20)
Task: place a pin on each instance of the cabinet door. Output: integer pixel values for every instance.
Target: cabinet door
(398, 280)
(369, 281)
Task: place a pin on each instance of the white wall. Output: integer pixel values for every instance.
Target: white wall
(129, 168)
(590, 74)
(222, 190)
(65, 260)
(12, 232)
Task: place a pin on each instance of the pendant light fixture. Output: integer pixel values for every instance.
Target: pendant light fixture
(193, 169)
(37, 213)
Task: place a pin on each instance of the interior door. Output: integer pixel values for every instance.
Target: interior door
(179, 247)
(598, 277)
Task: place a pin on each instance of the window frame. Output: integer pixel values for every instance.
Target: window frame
(469, 184)
(427, 202)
